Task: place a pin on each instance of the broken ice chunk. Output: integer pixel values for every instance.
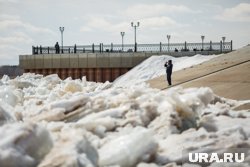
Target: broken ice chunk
(23, 144)
(7, 95)
(71, 149)
(73, 86)
(5, 113)
(70, 104)
(128, 150)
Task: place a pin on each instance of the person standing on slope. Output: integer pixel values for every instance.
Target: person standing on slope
(169, 67)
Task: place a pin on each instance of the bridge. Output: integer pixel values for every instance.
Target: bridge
(102, 63)
(160, 47)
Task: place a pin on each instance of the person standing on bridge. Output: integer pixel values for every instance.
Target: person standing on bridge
(57, 47)
(169, 68)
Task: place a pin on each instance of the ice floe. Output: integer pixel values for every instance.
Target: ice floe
(46, 121)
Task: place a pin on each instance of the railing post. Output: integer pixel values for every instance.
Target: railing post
(160, 47)
(69, 49)
(231, 45)
(75, 48)
(100, 47)
(111, 50)
(135, 47)
(83, 50)
(185, 46)
(41, 49)
(211, 46)
(48, 50)
(33, 50)
(221, 46)
(93, 48)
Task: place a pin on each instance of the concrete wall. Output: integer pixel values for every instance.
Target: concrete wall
(38, 61)
(91, 60)
(56, 61)
(48, 61)
(115, 60)
(102, 60)
(99, 67)
(83, 60)
(94, 60)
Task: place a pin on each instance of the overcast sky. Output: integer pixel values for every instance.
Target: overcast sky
(24, 23)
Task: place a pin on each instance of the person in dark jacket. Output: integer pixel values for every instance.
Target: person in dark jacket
(57, 47)
(169, 68)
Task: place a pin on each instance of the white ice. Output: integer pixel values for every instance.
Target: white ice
(154, 67)
(46, 121)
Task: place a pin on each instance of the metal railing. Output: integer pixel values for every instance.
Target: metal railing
(161, 47)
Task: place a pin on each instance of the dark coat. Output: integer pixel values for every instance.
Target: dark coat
(169, 68)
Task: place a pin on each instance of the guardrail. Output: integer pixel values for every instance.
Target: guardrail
(160, 47)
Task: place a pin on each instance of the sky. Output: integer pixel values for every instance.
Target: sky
(27, 23)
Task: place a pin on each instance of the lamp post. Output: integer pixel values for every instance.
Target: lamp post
(122, 34)
(202, 42)
(168, 36)
(135, 26)
(61, 29)
(223, 43)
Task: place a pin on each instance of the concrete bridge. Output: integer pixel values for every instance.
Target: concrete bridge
(98, 67)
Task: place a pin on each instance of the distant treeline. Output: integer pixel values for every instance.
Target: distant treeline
(11, 71)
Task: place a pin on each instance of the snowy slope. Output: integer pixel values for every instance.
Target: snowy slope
(154, 67)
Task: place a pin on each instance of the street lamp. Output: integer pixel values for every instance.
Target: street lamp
(223, 44)
(168, 36)
(61, 29)
(135, 26)
(202, 41)
(122, 34)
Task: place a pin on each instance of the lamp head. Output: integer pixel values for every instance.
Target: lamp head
(61, 28)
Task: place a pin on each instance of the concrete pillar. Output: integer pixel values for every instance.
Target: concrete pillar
(63, 73)
(31, 71)
(39, 71)
(91, 74)
(45, 72)
(124, 70)
(58, 72)
(50, 71)
(107, 74)
(70, 73)
(116, 72)
(98, 75)
(76, 73)
(84, 72)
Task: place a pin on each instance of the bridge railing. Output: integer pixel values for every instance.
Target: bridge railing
(160, 47)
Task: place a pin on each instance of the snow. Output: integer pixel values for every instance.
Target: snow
(130, 147)
(23, 144)
(46, 121)
(154, 67)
